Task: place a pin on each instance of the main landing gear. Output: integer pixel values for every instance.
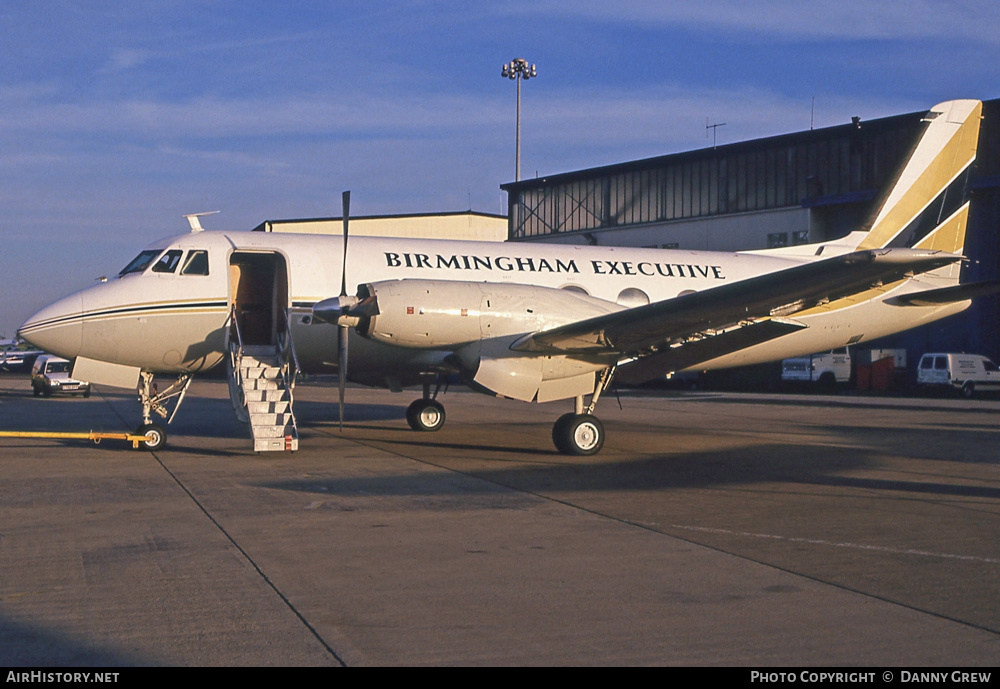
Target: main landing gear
(578, 433)
(152, 402)
(581, 433)
(426, 414)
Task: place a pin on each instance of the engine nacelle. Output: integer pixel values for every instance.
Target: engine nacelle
(439, 314)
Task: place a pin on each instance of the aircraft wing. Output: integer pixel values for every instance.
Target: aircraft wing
(669, 359)
(643, 329)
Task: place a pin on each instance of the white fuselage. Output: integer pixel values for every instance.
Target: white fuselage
(173, 322)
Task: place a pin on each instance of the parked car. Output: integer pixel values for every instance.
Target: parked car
(966, 373)
(50, 375)
(14, 359)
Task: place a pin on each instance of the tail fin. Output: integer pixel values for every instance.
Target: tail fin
(926, 207)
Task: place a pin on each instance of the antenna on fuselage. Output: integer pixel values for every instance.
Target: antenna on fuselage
(193, 221)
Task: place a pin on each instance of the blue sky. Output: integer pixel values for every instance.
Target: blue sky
(116, 118)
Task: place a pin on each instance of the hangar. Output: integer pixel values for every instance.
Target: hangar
(484, 227)
(797, 188)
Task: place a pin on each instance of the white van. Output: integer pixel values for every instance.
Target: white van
(969, 373)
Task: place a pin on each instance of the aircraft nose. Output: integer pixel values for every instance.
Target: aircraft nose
(58, 328)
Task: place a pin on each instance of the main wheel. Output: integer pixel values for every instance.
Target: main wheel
(156, 437)
(578, 434)
(425, 415)
(559, 437)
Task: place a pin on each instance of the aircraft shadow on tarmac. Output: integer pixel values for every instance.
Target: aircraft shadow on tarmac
(29, 646)
(920, 403)
(750, 466)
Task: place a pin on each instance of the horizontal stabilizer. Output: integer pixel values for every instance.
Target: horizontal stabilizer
(947, 295)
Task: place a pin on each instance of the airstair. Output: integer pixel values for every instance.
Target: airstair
(261, 379)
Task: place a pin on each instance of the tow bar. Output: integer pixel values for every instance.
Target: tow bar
(95, 436)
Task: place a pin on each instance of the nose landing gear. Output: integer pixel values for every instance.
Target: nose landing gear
(152, 402)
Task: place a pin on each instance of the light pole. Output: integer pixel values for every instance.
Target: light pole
(518, 69)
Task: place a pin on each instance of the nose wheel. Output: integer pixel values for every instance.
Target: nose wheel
(156, 437)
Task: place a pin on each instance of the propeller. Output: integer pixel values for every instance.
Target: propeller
(337, 312)
(342, 329)
(345, 311)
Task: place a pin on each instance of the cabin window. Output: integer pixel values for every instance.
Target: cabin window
(196, 263)
(140, 262)
(632, 297)
(168, 262)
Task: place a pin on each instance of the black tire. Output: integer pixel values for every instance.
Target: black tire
(559, 438)
(156, 437)
(968, 390)
(581, 435)
(86, 394)
(827, 383)
(425, 416)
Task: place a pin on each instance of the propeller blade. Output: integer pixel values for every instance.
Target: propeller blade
(346, 200)
(342, 333)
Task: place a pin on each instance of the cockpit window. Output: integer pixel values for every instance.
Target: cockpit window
(168, 261)
(140, 262)
(196, 263)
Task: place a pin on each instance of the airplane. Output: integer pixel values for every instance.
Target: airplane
(532, 322)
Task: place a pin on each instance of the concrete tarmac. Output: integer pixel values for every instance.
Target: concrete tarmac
(713, 529)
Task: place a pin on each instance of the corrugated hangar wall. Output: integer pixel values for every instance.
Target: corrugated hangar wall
(792, 189)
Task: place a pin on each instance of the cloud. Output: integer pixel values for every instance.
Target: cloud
(124, 59)
(847, 20)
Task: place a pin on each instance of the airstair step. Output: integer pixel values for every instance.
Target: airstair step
(265, 395)
(269, 419)
(269, 407)
(274, 431)
(260, 351)
(261, 384)
(254, 372)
